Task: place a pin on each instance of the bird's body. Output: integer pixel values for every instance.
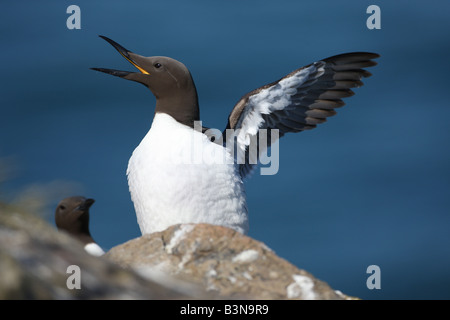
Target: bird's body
(170, 183)
(178, 175)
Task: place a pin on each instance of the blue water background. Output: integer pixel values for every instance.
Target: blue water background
(370, 186)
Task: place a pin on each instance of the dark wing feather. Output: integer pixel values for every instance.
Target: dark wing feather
(300, 101)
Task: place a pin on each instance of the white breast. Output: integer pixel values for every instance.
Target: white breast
(176, 175)
(94, 249)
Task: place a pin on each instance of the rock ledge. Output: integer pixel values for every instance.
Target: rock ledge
(222, 261)
(183, 262)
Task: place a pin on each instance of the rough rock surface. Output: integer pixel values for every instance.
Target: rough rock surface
(182, 262)
(34, 260)
(223, 261)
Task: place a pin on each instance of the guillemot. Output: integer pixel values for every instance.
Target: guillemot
(167, 190)
(72, 216)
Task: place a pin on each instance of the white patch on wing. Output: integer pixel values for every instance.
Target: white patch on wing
(266, 101)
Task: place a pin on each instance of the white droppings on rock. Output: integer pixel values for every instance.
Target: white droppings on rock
(188, 255)
(211, 287)
(158, 274)
(301, 288)
(265, 247)
(155, 272)
(344, 296)
(211, 273)
(273, 274)
(246, 256)
(339, 293)
(247, 276)
(178, 236)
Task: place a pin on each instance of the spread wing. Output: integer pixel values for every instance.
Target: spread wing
(300, 101)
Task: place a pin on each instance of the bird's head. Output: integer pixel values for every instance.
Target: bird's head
(168, 79)
(72, 214)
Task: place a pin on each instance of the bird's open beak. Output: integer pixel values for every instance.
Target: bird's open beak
(127, 55)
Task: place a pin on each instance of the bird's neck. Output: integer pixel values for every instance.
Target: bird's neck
(182, 106)
(80, 229)
(85, 238)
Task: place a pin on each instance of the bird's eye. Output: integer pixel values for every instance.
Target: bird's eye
(158, 65)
